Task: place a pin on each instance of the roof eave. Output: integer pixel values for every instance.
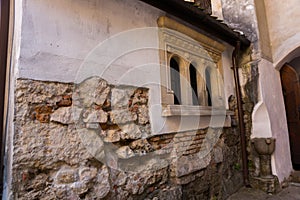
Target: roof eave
(198, 18)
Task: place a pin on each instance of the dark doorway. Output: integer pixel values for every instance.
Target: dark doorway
(4, 26)
(291, 93)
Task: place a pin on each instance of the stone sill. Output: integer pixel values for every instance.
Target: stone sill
(189, 110)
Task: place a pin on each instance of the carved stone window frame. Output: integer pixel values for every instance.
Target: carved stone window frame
(176, 39)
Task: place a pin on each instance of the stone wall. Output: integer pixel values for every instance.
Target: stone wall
(93, 141)
(240, 15)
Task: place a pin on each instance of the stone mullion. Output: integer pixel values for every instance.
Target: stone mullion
(186, 93)
(201, 84)
(214, 83)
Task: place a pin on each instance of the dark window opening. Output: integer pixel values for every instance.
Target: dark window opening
(175, 81)
(208, 87)
(193, 82)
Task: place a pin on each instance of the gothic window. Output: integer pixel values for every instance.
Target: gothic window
(190, 63)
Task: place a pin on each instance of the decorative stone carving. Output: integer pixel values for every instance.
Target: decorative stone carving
(188, 42)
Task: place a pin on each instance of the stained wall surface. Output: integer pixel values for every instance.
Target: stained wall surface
(283, 27)
(88, 106)
(271, 31)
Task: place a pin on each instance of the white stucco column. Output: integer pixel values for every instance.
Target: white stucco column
(269, 118)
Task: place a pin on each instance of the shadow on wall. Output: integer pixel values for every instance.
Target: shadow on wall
(261, 121)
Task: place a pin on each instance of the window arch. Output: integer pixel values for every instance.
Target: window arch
(175, 80)
(189, 63)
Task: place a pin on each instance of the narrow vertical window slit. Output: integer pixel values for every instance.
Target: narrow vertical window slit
(193, 82)
(208, 87)
(175, 81)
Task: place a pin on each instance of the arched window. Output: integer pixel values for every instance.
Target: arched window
(208, 86)
(193, 82)
(175, 81)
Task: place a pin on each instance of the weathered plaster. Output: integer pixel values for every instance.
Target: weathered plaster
(59, 35)
(265, 50)
(279, 43)
(272, 94)
(240, 15)
(75, 46)
(283, 26)
(228, 78)
(287, 50)
(261, 121)
(56, 37)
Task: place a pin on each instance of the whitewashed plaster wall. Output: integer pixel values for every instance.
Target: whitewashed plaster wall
(68, 41)
(278, 19)
(284, 32)
(58, 35)
(272, 99)
(284, 29)
(268, 117)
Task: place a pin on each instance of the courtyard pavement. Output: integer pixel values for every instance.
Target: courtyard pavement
(292, 192)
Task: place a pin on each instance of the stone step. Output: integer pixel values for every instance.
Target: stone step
(295, 177)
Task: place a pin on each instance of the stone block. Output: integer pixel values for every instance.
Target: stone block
(43, 145)
(102, 186)
(120, 97)
(122, 116)
(185, 179)
(93, 125)
(218, 155)
(145, 130)
(92, 91)
(124, 152)
(79, 187)
(140, 96)
(269, 185)
(174, 193)
(66, 176)
(112, 136)
(141, 146)
(94, 116)
(130, 131)
(119, 178)
(87, 173)
(92, 142)
(143, 114)
(66, 100)
(42, 113)
(185, 165)
(66, 115)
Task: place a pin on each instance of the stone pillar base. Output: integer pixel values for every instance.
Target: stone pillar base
(269, 185)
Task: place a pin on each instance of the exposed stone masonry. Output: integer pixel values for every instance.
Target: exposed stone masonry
(93, 141)
(249, 77)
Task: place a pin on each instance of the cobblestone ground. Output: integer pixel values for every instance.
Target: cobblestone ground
(290, 193)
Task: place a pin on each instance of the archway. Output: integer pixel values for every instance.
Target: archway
(291, 93)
